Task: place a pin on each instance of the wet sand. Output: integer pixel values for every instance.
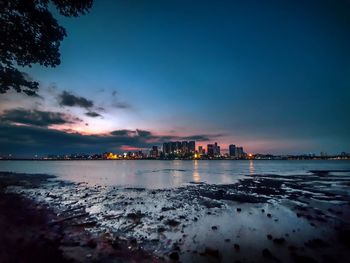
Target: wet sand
(34, 232)
(261, 218)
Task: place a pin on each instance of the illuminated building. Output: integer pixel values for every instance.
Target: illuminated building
(111, 156)
(232, 150)
(154, 152)
(210, 150)
(192, 146)
(239, 152)
(213, 150)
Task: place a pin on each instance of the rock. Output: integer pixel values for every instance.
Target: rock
(176, 247)
(172, 222)
(214, 228)
(239, 209)
(267, 253)
(263, 210)
(195, 219)
(269, 215)
(316, 243)
(91, 243)
(279, 241)
(164, 209)
(135, 216)
(302, 259)
(115, 244)
(161, 229)
(174, 256)
(211, 252)
(292, 248)
(133, 242)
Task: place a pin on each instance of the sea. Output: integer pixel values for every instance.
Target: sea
(159, 174)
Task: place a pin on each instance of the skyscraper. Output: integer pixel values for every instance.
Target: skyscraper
(213, 150)
(210, 150)
(232, 150)
(191, 146)
(184, 147)
(154, 152)
(216, 149)
(166, 148)
(239, 152)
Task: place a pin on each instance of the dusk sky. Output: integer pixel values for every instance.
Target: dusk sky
(272, 76)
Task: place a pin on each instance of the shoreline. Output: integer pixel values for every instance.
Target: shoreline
(45, 160)
(288, 219)
(32, 232)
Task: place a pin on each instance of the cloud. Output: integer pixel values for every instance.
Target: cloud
(93, 114)
(149, 137)
(37, 117)
(202, 137)
(121, 105)
(29, 140)
(123, 133)
(68, 99)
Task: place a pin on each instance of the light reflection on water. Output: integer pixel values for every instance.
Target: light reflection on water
(251, 167)
(165, 174)
(196, 176)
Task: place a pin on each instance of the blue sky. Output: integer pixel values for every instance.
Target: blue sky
(273, 76)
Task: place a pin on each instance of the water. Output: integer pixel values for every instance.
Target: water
(300, 208)
(166, 174)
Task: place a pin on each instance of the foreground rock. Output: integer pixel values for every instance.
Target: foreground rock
(260, 218)
(34, 233)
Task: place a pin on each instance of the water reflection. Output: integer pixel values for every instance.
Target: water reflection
(251, 167)
(165, 174)
(196, 177)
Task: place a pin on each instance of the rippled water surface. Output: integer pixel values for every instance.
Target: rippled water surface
(166, 174)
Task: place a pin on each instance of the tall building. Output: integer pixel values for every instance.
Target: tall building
(213, 150)
(167, 148)
(239, 152)
(210, 150)
(184, 147)
(154, 152)
(191, 146)
(200, 150)
(232, 150)
(216, 149)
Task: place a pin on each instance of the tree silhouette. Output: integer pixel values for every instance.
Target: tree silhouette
(29, 34)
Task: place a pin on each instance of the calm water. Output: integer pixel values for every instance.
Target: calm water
(165, 174)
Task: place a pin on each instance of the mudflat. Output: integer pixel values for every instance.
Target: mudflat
(261, 218)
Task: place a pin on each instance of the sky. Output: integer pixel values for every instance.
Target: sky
(271, 76)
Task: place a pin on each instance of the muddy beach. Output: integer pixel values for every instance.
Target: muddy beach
(261, 218)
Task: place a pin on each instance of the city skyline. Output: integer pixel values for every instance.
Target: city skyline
(270, 76)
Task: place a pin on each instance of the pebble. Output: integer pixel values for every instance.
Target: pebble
(174, 256)
(279, 241)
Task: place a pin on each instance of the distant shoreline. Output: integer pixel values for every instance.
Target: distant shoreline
(287, 159)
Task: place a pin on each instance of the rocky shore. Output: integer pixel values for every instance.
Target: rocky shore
(34, 232)
(262, 218)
